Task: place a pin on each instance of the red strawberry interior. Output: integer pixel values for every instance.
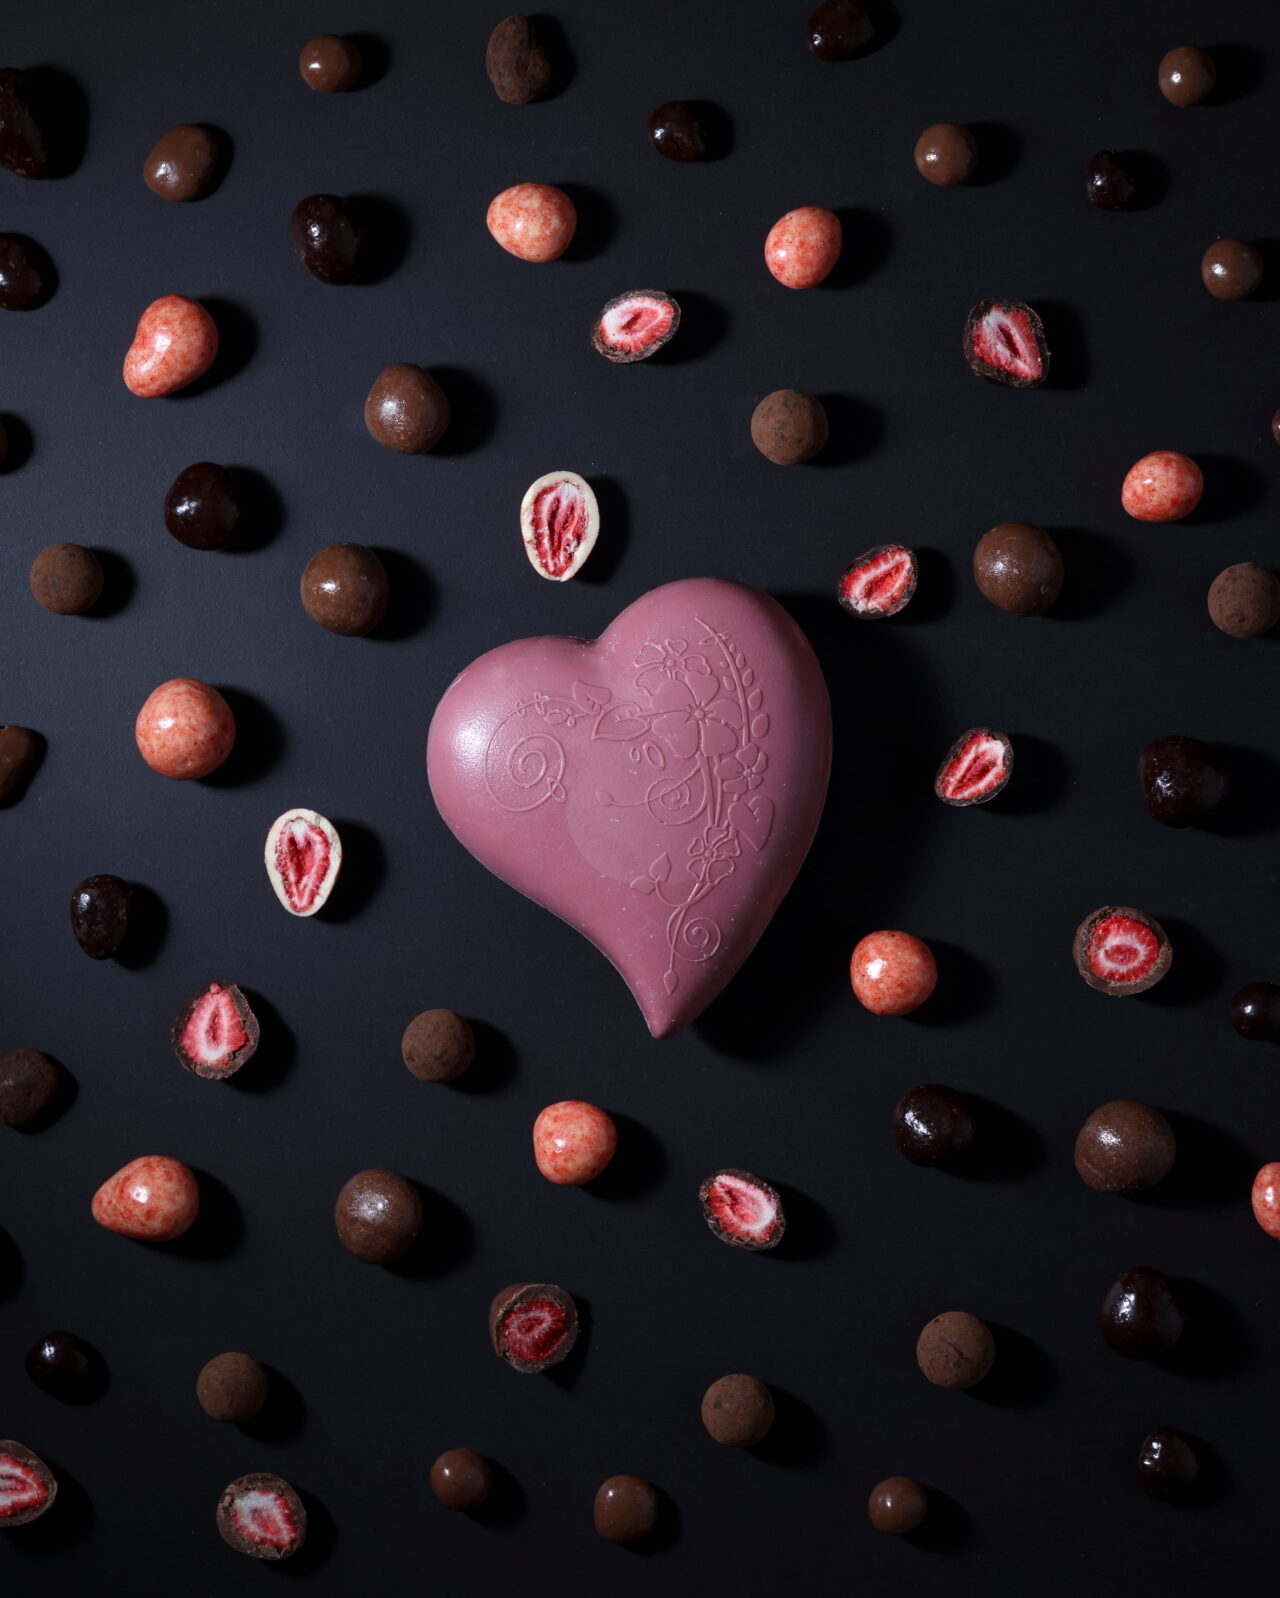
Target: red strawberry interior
(1006, 340)
(742, 1208)
(560, 523)
(1122, 949)
(976, 769)
(214, 1032)
(22, 1488)
(264, 1516)
(302, 860)
(880, 582)
(635, 323)
(534, 1329)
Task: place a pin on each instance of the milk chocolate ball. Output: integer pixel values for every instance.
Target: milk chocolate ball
(1125, 1147)
(1187, 75)
(738, 1411)
(1018, 567)
(232, 1388)
(946, 154)
(438, 1046)
(406, 409)
(182, 162)
(1244, 600)
(461, 1479)
(329, 63)
(897, 1505)
(345, 589)
(67, 579)
(378, 1216)
(626, 1509)
(789, 427)
(1231, 269)
(955, 1349)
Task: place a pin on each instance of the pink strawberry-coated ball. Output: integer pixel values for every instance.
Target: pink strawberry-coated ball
(892, 973)
(1266, 1198)
(153, 1198)
(1162, 487)
(175, 343)
(535, 221)
(803, 246)
(185, 729)
(573, 1142)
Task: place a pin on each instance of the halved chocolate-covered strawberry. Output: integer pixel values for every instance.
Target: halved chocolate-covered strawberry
(632, 326)
(742, 1209)
(304, 856)
(261, 1515)
(27, 1486)
(533, 1325)
(879, 583)
(1120, 950)
(1004, 342)
(976, 768)
(216, 1032)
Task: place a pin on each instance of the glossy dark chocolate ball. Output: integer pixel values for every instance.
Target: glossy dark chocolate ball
(100, 909)
(61, 1365)
(378, 1216)
(328, 237)
(1125, 1147)
(24, 278)
(1179, 781)
(202, 509)
(1255, 1012)
(838, 29)
(1140, 1316)
(1167, 1465)
(956, 1349)
(897, 1505)
(932, 1123)
(345, 589)
(1018, 567)
(24, 131)
(1108, 182)
(678, 132)
(461, 1479)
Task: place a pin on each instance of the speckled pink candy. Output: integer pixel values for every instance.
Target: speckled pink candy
(803, 246)
(1162, 487)
(534, 221)
(573, 1142)
(175, 343)
(185, 729)
(658, 788)
(153, 1198)
(892, 973)
(1266, 1199)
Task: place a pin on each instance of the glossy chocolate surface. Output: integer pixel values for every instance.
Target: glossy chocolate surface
(1140, 1316)
(1232, 269)
(1255, 1012)
(100, 909)
(1179, 780)
(1168, 1466)
(1124, 1147)
(946, 154)
(378, 1215)
(1018, 567)
(406, 409)
(24, 139)
(23, 277)
(329, 63)
(677, 131)
(897, 1505)
(328, 237)
(64, 1367)
(1187, 75)
(838, 29)
(932, 1124)
(18, 748)
(202, 509)
(182, 163)
(626, 1509)
(1108, 182)
(345, 589)
(461, 1479)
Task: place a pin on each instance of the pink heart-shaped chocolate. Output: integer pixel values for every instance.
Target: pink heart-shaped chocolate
(657, 789)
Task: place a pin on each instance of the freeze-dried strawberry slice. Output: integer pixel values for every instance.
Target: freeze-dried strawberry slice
(977, 767)
(261, 1515)
(216, 1032)
(559, 521)
(304, 856)
(1004, 341)
(27, 1485)
(741, 1209)
(533, 1325)
(1120, 950)
(880, 582)
(632, 326)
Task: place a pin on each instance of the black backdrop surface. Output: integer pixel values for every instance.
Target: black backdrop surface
(381, 1370)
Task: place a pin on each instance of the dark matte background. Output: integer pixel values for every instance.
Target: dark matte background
(381, 1370)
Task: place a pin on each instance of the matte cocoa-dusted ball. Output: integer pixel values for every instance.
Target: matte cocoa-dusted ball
(438, 1046)
(378, 1216)
(738, 1411)
(461, 1479)
(946, 154)
(1231, 269)
(1018, 567)
(1244, 600)
(956, 1349)
(29, 1084)
(1125, 1147)
(626, 1509)
(897, 1505)
(789, 427)
(67, 579)
(345, 589)
(232, 1388)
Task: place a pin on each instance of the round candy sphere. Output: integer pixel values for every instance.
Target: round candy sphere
(186, 729)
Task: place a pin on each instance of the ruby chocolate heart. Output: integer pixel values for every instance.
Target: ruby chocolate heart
(657, 789)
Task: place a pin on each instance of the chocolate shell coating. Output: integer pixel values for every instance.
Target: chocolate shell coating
(202, 508)
(1125, 1147)
(519, 69)
(181, 163)
(18, 746)
(24, 138)
(738, 1239)
(29, 1083)
(437, 1046)
(956, 1350)
(328, 238)
(1084, 934)
(66, 579)
(232, 1388)
(1140, 1316)
(462, 1479)
(406, 409)
(1018, 567)
(100, 909)
(329, 63)
(738, 1411)
(235, 1060)
(244, 1545)
(1244, 600)
(378, 1216)
(25, 273)
(626, 1509)
(789, 427)
(995, 374)
(345, 589)
(511, 1298)
(38, 1468)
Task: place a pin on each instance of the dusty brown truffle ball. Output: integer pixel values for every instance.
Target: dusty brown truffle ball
(28, 1086)
(789, 427)
(406, 409)
(461, 1479)
(345, 589)
(438, 1046)
(1018, 567)
(378, 1216)
(626, 1509)
(518, 67)
(67, 579)
(232, 1387)
(946, 154)
(1231, 269)
(1187, 75)
(1244, 600)
(329, 63)
(955, 1349)
(897, 1505)
(181, 163)
(738, 1411)
(1125, 1147)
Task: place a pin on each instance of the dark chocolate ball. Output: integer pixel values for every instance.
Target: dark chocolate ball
(438, 1046)
(956, 1349)
(232, 1387)
(202, 509)
(345, 589)
(1018, 567)
(328, 237)
(24, 273)
(1255, 1012)
(839, 29)
(946, 154)
(329, 63)
(626, 1509)
(1108, 182)
(66, 1368)
(932, 1123)
(1140, 1316)
(1244, 600)
(378, 1216)
(29, 1084)
(1125, 1147)
(789, 427)
(897, 1505)
(738, 1411)
(1275, 426)
(1187, 75)
(461, 1479)
(182, 162)
(67, 579)
(1179, 780)
(1231, 269)
(677, 131)
(406, 409)
(1167, 1464)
